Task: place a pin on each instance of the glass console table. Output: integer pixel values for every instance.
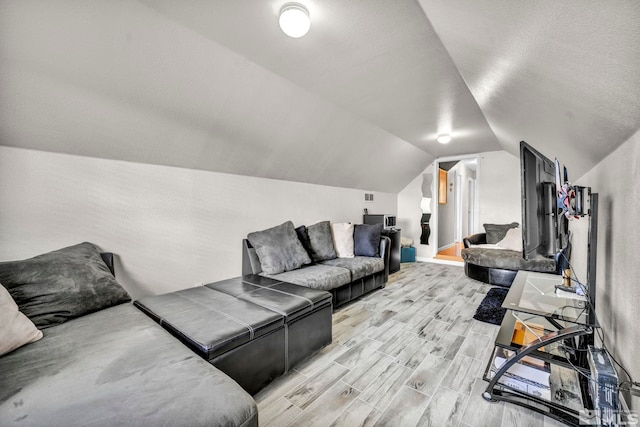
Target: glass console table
(539, 360)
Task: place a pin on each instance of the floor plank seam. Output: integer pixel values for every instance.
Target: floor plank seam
(416, 340)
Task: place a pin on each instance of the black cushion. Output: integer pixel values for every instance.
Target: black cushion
(496, 232)
(61, 285)
(366, 239)
(321, 241)
(279, 249)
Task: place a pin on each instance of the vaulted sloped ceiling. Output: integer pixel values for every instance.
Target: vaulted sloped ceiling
(562, 75)
(358, 102)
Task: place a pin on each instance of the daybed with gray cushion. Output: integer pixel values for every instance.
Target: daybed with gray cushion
(495, 257)
(307, 256)
(101, 362)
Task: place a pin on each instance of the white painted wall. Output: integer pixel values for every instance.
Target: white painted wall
(499, 191)
(409, 222)
(618, 271)
(170, 227)
(409, 213)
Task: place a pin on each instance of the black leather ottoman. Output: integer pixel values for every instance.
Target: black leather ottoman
(306, 311)
(244, 340)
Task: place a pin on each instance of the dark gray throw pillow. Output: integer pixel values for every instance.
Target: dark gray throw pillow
(279, 249)
(496, 232)
(61, 285)
(303, 236)
(321, 241)
(366, 239)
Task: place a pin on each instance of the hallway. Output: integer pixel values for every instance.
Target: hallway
(452, 253)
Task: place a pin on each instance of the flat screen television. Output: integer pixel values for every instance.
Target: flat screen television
(544, 229)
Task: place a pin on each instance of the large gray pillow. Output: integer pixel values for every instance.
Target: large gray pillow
(496, 232)
(61, 285)
(321, 241)
(279, 249)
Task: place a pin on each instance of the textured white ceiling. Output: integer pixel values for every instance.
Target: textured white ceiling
(562, 75)
(379, 59)
(358, 102)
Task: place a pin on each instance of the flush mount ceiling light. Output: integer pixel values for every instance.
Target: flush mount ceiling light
(294, 20)
(444, 138)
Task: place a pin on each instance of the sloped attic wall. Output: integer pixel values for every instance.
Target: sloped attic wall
(562, 75)
(118, 80)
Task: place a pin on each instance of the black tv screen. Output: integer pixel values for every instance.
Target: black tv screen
(539, 212)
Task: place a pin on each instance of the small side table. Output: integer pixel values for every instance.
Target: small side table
(394, 250)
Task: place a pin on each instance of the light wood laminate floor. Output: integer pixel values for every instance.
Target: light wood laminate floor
(452, 253)
(407, 355)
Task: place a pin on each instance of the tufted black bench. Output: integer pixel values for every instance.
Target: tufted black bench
(252, 328)
(306, 312)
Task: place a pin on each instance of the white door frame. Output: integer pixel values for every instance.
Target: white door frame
(457, 183)
(471, 205)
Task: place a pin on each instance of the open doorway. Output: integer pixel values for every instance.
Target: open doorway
(456, 211)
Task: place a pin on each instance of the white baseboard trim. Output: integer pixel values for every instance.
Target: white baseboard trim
(442, 248)
(440, 261)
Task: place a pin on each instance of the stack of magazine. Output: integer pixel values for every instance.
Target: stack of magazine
(535, 377)
(529, 375)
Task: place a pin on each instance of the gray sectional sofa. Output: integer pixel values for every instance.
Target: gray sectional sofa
(116, 367)
(188, 358)
(345, 278)
(103, 362)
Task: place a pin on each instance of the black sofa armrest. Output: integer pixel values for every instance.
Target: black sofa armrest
(250, 260)
(475, 239)
(107, 257)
